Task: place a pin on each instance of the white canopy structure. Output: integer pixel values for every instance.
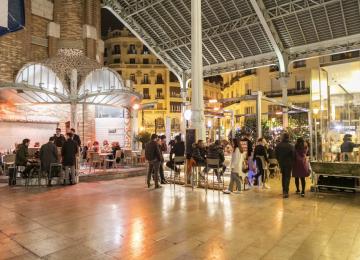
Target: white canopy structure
(69, 78)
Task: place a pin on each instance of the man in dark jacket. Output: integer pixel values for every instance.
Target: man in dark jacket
(68, 153)
(153, 155)
(163, 148)
(22, 153)
(75, 137)
(178, 149)
(48, 155)
(59, 139)
(285, 156)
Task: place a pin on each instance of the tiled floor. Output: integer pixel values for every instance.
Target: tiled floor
(121, 219)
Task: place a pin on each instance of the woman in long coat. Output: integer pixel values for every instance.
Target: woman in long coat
(301, 168)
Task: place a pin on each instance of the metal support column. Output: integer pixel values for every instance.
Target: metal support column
(284, 80)
(134, 127)
(258, 114)
(197, 100)
(184, 95)
(73, 103)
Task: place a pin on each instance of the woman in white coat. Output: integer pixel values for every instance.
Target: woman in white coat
(237, 160)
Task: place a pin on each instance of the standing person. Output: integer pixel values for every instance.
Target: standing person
(153, 155)
(68, 153)
(249, 144)
(163, 148)
(237, 161)
(48, 155)
(285, 156)
(260, 151)
(75, 137)
(59, 139)
(300, 168)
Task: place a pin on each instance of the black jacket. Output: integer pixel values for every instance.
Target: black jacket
(216, 152)
(68, 153)
(198, 154)
(260, 150)
(285, 154)
(152, 151)
(178, 149)
(48, 155)
(76, 139)
(22, 155)
(59, 140)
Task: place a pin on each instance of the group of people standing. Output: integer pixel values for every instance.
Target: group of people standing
(245, 157)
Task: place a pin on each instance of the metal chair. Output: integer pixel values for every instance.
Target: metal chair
(54, 166)
(213, 164)
(8, 161)
(128, 157)
(94, 160)
(274, 166)
(178, 161)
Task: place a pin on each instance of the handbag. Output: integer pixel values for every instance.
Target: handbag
(245, 167)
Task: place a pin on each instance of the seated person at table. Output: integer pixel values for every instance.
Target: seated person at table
(216, 151)
(116, 147)
(48, 155)
(347, 146)
(106, 148)
(95, 147)
(199, 155)
(177, 149)
(85, 150)
(22, 156)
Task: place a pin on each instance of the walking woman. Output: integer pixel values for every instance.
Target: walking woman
(237, 161)
(301, 168)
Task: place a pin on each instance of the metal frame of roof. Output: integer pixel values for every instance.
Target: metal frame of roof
(242, 34)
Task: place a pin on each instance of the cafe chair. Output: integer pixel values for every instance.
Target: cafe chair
(178, 161)
(95, 159)
(275, 168)
(8, 161)
(214, 165)
(128, 157)
(55, 171)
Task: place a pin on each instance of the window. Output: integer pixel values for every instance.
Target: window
(132, 78)
(120, 72)
(145, 61)
(175, 107)
(146, 93)
(132, 49)
(116, 49)
(175, 92)
(132, 61)
(105, 52)
(159, 93)
(247, 89)
(299, 64)
(232, 94)
(146, 79)
(173, 78)
(159, 79)
(300, 84)
(145, 50)
(249, 110)
(158, 61)
(117, 60)
(273, 68)
(346, 55)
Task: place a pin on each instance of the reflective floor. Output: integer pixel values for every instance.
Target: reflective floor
(121, 219)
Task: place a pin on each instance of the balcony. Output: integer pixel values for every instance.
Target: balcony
(146, 96)
(145, 82)
(132, 52)
(159, 81)
(175, 95)
(291, 92)
(115, 52)
(159, 97)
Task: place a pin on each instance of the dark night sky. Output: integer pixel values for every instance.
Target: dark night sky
(108, 20)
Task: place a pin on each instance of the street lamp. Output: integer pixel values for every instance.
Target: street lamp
(187, 116)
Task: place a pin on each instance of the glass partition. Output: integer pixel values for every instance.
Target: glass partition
(335, 95)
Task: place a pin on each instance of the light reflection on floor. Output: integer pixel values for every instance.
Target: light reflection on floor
(123, 220)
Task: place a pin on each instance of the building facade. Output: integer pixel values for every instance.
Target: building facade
(126, 54)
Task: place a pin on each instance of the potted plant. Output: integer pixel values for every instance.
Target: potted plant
(143, 137)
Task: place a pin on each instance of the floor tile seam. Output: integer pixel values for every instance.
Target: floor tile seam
(65, 248)
(20, 245)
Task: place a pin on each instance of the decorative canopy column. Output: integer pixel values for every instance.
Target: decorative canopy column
(197, 97)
